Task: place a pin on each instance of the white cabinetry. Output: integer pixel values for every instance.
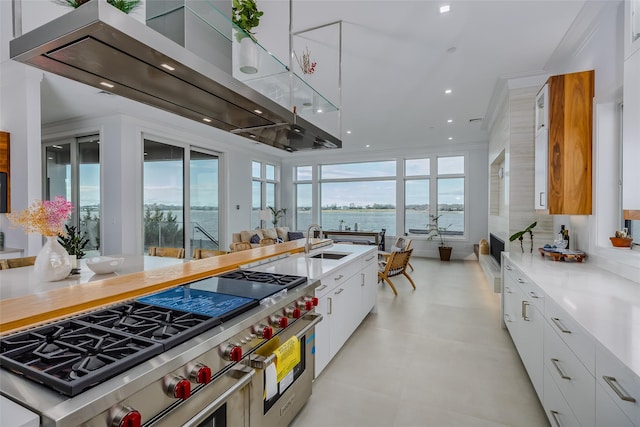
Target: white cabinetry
(541, 160)
(345, 296)
(631, 133)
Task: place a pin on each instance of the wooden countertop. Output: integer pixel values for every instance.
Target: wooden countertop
(30, 310)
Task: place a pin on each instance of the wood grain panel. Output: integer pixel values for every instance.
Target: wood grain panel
(632, 215)
(31, 310)
(570, 143)
(5, 163)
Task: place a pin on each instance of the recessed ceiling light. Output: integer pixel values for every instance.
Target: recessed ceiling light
(450, 138)
(257, 111)
(367, 145)
(105, 84)
(318, 110)
(452, 49)
(450, 121)
(252, 135)
(444, 9)
(167, 66)
(206, 119)
(50, 158)
(349, 132)
(448, 91)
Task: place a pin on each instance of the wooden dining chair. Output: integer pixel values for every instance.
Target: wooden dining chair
(400, 244)
(6, 264)
(240, 246)
(267, 241)
(395, 265)
(166, 252)
(206, 253)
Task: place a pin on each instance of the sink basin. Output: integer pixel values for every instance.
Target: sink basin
(329, 255)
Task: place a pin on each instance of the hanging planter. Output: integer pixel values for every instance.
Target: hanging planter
(248, 56)
(246, 16)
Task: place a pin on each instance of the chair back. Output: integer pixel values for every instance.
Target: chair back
(401, 244)
(381, 239)
(166, 252)
(6, 264)
(397, 262)
(240, 246)
(267, 241)
(206, 253)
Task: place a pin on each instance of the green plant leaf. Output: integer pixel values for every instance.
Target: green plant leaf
(515, 236)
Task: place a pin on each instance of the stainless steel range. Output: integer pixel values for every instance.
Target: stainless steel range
(210, 352)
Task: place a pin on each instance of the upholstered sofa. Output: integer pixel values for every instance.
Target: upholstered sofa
(281, 233)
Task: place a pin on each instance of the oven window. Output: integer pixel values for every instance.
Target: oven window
(297, 371)
(217, 419)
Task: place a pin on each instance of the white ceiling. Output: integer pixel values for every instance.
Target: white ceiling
(396, 65)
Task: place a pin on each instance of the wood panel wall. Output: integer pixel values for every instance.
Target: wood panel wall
(5, 164)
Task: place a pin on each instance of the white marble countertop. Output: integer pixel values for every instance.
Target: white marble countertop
(316, 268)
(606, 305)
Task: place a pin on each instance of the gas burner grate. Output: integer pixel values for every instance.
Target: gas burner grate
(72, 356)
(165, 325)
(285, 280)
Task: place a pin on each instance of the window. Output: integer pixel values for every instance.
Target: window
(451, 197)
(303, 192)
(171, 213)
(72, 170)
(358, 194)
(263, 189)
(416, 195)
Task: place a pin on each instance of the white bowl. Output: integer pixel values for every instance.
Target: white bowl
(104, 264)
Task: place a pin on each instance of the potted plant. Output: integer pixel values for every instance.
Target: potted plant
(246, 16)
(277, 214)
(520, 236)
(435, 230)
(74, 243)
(124, 5)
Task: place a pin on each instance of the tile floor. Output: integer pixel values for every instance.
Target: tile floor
(431, 357)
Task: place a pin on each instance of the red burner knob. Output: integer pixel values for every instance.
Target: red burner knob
(125, 416)
(315, 301)
(292, 312)
(178, 387)
(296, 313)
(308, 305)
(267, 333)
(201, 374)
(283, 322)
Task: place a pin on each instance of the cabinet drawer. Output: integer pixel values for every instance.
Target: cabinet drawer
(619, 382)
(574, 335)
(368, 259)
(607, 412)
(335, 278)
(572, 378)
(555, 405)
(531, 291)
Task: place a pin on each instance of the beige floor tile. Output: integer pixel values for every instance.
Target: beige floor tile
(435, 356)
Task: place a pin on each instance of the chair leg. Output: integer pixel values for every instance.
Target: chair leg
(393, 288)
(411, 266)
(410, 279)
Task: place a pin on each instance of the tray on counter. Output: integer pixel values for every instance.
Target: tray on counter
(562, 254)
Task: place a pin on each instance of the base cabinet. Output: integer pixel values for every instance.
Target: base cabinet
(555, 405)
(345, 296)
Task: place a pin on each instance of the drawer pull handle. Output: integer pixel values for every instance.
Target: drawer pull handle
(557, 366)
(339, 291)
(524, 311)
(507, 267)
(507, 289)
(554, 415)
(321, 288)
(338, 278)
(533, 294)
(330, 305)
(541, 202)
(370, 258)
(521, 281)
(507, 318)
(621, 394)
(560, 325)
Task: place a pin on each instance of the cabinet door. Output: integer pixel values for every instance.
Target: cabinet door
(631, 134)
(541, 163)
(607, 412)
(369, 288)
(555, 405)
(345, 308)
(531, 329)
(323, 334)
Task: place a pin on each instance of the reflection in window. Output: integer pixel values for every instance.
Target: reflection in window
(203, 195)
(263, 192)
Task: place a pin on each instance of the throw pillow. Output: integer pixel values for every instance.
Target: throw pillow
(282, 232)
(295, 235)
(269, 233)
(255, 239)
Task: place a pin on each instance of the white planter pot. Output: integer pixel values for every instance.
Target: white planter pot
(248, 56)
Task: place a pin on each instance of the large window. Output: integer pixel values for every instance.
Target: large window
(416, 195)
(361, 195)
(72, 170)
(263, 189)
(304, 196)
(451, 198)
(171, 213)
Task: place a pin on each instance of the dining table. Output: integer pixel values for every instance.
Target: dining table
(21, 281)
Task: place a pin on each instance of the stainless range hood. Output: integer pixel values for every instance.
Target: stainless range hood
(98, 45)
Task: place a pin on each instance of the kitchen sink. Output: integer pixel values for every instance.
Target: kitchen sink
(329, 255)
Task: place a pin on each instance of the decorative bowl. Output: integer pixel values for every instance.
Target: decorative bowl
(104, 264)
(621, 242)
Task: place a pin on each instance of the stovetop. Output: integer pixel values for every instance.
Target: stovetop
(284, 280)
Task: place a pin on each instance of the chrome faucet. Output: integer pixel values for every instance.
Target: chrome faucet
(307, 246)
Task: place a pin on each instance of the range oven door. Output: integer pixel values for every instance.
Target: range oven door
(224, 402)
(294, 389)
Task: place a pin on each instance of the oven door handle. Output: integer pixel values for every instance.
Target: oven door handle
(315, 319)
(247, 376)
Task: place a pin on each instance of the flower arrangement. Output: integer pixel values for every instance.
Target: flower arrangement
(46, 217)
(306, 65)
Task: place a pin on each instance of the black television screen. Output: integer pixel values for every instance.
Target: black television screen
(496, 246)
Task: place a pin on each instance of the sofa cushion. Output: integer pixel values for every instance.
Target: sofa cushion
(255, 239)
(245, 235)
(282, 233)
(295, 235)
(269, 233)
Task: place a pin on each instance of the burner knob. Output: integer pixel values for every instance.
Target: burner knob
(264, 331)
(178, 387)
(279, 321)
(292, 312)
(200, 374)
(308, 305)
(314, 301)
(232, 353)
(125, 416)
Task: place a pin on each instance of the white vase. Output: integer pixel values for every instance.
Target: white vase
(313, 99)
(52, 262)
(248, 56)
